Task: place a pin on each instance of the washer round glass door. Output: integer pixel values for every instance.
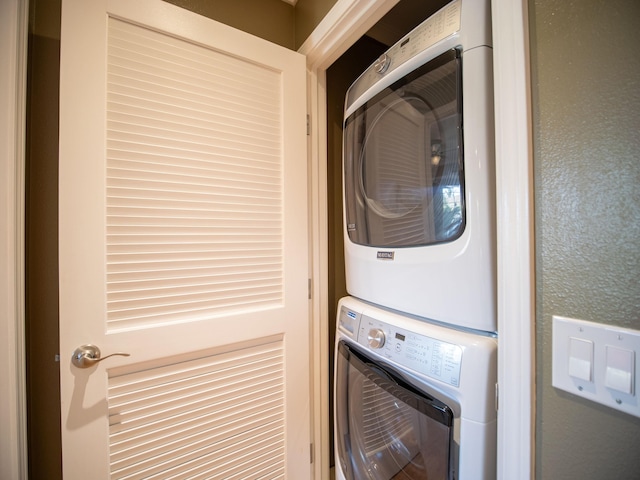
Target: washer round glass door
(403, 160)
(385, 428)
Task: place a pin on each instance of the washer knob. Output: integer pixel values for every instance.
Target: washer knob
(376, 338)
(382, 63)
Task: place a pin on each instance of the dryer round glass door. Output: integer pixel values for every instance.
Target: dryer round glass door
(403, 160)
(385, 428)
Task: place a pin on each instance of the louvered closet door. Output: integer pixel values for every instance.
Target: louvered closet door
(183, 242)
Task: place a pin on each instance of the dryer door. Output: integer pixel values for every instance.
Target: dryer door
(386, 429)
(403, 160)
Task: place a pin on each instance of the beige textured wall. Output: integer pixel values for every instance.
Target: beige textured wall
(273, 20)
(309, 13)
(586, 97)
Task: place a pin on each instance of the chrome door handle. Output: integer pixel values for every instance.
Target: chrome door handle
(86, 356)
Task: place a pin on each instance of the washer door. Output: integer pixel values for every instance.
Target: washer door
(385, 428)
(403, 160)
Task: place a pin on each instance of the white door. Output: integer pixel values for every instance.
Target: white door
(183, 242)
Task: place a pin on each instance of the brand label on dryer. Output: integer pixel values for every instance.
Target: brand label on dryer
(386, 255)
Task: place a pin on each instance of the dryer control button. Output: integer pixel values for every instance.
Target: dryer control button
(376, 338)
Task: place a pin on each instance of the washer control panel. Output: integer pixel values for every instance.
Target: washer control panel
(425, 355)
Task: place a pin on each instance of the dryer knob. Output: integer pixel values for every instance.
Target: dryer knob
(382, 63)
(376, 338)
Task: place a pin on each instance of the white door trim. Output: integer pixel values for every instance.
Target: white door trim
(13, 55)
(514, 199)
(342, 26)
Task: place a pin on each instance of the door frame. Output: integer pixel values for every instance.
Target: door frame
(347, 21)
(14, 18)
(344, 24)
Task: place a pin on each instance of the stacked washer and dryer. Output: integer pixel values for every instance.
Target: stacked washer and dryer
(416, 340)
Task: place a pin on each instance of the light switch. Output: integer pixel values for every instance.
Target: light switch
(597, 362)
(581, 359)
(619, 370)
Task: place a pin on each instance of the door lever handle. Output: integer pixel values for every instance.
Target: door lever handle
(86, 356)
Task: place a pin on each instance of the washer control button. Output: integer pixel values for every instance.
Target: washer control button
(376, 338)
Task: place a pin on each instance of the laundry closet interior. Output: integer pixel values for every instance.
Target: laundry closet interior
(412, 248)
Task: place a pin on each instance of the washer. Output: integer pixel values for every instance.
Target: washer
(413, 400)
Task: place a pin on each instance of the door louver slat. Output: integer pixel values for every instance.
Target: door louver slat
(217, 415)
(194, 182)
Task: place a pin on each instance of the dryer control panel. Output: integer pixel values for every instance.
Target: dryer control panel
(425, 355)
(439, 26)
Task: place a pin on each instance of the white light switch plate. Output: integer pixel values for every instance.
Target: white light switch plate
(622, 370)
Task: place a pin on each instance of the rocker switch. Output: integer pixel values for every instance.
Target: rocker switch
(619, 371)
(581, 359)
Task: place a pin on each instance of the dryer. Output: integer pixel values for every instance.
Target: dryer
(418, 173)
(413, 400)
